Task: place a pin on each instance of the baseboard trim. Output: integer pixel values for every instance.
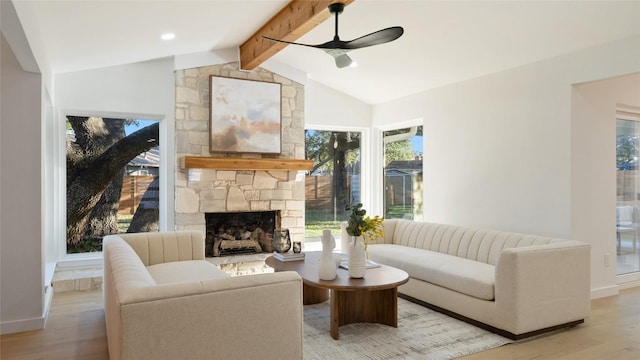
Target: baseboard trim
(487, 327)
(606, 291)
(48, 297)
(16, 326)
(629, 285)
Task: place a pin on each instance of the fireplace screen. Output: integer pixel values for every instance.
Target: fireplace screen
(240, 232)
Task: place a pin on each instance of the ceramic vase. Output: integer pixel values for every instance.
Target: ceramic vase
(327, 266)
(357, 259)
(281, 240)
(345, 238)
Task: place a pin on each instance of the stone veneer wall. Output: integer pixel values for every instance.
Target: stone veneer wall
(198, 191)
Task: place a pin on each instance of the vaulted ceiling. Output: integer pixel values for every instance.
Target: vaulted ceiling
(444, 41)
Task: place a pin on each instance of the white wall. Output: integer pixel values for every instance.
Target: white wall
(32, 54)
(22, 298)
(494, 155)
(326, 107)
(498, 149)
(144, 90)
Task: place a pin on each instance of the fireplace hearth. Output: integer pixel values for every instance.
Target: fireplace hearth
(229, 233)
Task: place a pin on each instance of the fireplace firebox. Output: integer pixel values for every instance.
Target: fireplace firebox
(229, 233)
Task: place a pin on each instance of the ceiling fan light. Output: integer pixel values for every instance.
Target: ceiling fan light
(343, 61)
(168, 36)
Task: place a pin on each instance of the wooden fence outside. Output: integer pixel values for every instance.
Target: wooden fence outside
(400, 191)
(317, 191)
(133, 187)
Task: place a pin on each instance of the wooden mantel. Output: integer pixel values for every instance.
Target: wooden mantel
(230, 163)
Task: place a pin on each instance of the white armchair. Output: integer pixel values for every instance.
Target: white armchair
(625, 215)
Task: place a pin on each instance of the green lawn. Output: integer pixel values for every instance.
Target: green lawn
(318, 220)
(315, 228)
(123, 222)
(398, 212)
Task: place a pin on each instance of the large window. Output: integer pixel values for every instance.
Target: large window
(628, 194)
(403, 150)
(334, 181)
(112, 179)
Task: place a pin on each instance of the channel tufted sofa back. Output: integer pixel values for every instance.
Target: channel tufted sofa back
(162, 247)
(471, 243)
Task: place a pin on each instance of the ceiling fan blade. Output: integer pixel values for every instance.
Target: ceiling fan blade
(338, 49)
(375, 38)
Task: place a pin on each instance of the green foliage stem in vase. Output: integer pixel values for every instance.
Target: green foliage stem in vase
(359, 224)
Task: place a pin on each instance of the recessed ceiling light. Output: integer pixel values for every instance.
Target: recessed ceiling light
(353, 64)
(168, 36)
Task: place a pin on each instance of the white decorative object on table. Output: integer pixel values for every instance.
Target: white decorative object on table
(345, 239)
(357, 259)
(361, 228)
(327, 266)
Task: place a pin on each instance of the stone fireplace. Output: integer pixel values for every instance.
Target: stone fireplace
(240, 232)
(201, 191)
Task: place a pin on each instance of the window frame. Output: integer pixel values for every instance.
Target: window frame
(377, 172)
(365, 157)
(58, 196)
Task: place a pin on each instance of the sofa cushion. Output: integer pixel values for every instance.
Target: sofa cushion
(163, 247)
(124, 266)
(477, 244)
(466, 276)
(185, 271)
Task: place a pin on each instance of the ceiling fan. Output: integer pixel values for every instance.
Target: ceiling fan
(339, 49)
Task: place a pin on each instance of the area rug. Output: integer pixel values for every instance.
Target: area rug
(421, 334)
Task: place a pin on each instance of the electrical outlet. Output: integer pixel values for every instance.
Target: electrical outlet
(607, 260)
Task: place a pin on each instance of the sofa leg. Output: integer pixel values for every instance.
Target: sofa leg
(487, 327)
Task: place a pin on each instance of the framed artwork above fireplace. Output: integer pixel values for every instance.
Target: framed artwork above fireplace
(244, 116)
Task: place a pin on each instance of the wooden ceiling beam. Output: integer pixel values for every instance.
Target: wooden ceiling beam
(294, 20)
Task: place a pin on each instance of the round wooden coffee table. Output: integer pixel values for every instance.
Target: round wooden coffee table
(372, 299)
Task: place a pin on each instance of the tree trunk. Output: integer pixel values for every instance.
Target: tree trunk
(89, 172)
(95, 136)
(103, 219)
(147, 216)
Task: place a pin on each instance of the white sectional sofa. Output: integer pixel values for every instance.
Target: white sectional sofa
(163, 300)
(513, 284)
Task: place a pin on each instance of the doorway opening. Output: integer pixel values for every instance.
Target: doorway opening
(627, 193)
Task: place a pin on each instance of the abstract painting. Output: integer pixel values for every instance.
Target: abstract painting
(245, 116)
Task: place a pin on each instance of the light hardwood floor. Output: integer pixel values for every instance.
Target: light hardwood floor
(75, 330)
